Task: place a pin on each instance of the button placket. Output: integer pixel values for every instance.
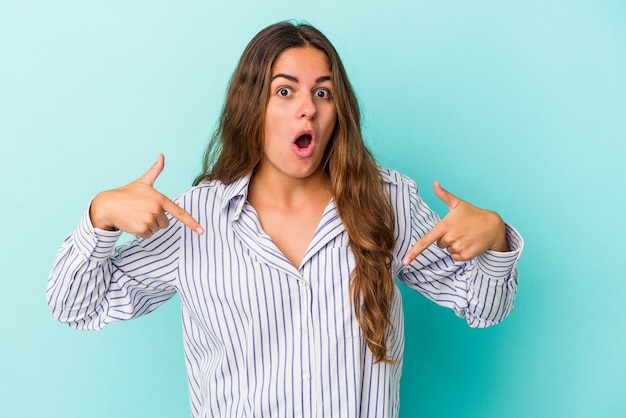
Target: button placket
(308, 351)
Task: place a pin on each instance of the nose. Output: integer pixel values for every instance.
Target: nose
(307, 108)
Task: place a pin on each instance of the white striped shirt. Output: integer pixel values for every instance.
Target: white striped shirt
(261, 337)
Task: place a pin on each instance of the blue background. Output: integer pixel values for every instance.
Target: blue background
(518, 107)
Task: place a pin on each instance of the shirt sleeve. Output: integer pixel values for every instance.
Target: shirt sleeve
(481, 290)
(92, 282)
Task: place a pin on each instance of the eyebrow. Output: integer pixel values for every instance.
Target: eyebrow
(295, 79)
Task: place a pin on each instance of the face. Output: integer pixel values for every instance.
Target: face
(300, 116)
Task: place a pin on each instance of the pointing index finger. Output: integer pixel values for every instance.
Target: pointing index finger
(183, 216)
(424, 242)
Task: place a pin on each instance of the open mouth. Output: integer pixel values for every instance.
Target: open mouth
(303, 141)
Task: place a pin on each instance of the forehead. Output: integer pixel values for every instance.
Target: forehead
(301, 61)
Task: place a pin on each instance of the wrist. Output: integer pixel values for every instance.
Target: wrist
(502, 247)
(98, 220)
(501, 244)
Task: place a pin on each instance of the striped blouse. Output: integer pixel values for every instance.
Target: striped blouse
(262, 337)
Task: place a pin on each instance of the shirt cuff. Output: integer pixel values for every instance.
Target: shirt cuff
(93, 243)
(499, 265)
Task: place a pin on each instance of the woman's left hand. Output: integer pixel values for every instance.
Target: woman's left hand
(465, 232)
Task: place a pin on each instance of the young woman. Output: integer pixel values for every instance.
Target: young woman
(286, 249)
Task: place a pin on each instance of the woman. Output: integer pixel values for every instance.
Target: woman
(286, 250)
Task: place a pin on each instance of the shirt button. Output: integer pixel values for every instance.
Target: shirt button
(306, 376)
(301, 282)
(305, 329)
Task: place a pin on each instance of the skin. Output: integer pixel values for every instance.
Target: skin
(289, 190)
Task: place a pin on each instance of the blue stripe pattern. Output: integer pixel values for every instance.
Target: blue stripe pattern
(262, 337)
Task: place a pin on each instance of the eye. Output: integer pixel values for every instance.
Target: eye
(323, 93)
(284, 92)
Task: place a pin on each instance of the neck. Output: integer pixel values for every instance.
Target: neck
(285, 189)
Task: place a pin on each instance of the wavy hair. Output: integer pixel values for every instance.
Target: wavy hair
(237, 146)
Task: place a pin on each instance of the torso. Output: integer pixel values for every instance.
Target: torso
(291, 225)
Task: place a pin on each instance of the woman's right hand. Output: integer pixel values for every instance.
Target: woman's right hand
(138, 208)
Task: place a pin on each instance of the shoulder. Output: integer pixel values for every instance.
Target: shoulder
(214, 194)
(394, 180)
(213, 188)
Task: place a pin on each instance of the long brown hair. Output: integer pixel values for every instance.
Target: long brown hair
(237, 146)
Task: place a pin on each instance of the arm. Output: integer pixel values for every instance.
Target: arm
(93, 283)
(466, 261)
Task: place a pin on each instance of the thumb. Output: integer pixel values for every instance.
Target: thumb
(153, 172)
(448, 198)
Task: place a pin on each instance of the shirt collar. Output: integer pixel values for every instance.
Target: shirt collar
(235, 194)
